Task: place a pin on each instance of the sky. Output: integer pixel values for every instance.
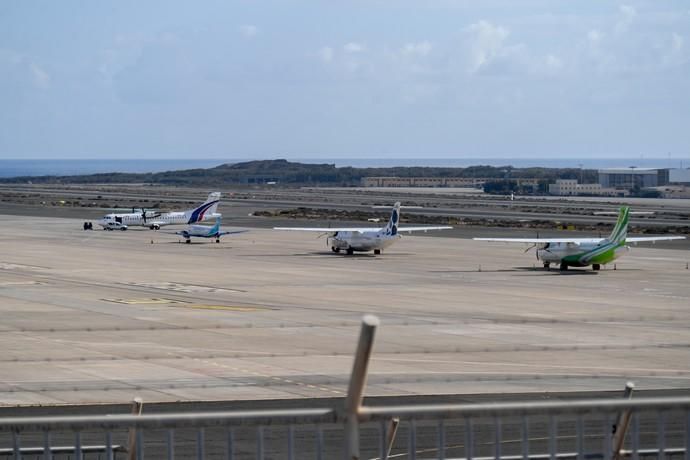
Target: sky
(352, 79)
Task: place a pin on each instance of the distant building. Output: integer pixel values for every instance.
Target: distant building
(461, 182)
(570, 187)
(673, 191)
(633, 178)
(422, 182)
(679, 176)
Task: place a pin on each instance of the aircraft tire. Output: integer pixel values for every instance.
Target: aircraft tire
(564, 266)
(377, 251)
(188, 241)
(596, 267)
(218, 240)
(547, 266)
(350, 251)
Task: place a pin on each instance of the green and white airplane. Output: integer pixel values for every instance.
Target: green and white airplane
(582, 252)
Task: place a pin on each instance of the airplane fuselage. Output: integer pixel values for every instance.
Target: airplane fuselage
(152, 221)
(581, 254)
(361, 241)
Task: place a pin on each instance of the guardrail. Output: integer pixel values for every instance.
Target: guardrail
(579, 429)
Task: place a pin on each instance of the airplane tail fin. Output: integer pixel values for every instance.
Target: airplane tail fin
(208, 207)
(391, 227)
(216, 227)
(620, 231)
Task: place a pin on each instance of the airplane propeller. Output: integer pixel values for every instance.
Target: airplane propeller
(536, 253)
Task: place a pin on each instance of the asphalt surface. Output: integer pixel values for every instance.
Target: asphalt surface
(269, 319)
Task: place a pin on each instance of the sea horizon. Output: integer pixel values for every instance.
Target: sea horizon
(66, 167)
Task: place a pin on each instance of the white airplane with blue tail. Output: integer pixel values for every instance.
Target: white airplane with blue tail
(205, 231)
(351, 239)
(155, 220)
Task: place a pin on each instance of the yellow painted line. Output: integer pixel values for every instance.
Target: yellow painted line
(224, 307)
(21, 283)
(153, 301)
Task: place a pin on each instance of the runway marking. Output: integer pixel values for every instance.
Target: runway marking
(224, 307)
(272, 377)
(152, 301)
(13, 266)
(178, 287)
(528, 365)
(21, 283)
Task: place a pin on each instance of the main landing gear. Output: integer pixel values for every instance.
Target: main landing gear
(564, 266)
(334, 249)
(350, 251)
(547, 266)
(596, 267)
(377, 251)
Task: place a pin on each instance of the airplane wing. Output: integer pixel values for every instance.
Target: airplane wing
(232, 232)
(634, 239)
(328, 230)
(423, 229)
(641, 239)
(540, 240)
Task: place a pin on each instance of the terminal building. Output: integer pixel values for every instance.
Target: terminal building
(570, 187)
(633, 178)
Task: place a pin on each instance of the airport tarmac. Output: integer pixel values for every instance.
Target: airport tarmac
(99, 317)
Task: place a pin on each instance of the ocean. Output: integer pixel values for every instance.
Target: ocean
(14, 168)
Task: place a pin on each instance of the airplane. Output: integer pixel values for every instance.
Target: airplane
(351, 239)
(155, 220)
(205, 231)
(582, 252)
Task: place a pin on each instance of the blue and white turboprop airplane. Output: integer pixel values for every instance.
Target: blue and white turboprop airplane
(205, 231)
(155, 220)
(351, 239)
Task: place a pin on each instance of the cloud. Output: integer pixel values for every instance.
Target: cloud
(422, 48)
(326, 54)
(249, 30)
(354, 47)
(594, 37)
(22, 71)
(627, 15)
(486, 44)
(550, 65)
(41, 79)
(676, 52)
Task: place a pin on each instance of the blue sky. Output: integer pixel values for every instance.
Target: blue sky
(355, 79)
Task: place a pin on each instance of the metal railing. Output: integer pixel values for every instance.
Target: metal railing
(606, 429)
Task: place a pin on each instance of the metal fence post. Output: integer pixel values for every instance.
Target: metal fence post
(137, 406)
(392, 430)
(47, 446)
(358, 379)
(622, 422)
